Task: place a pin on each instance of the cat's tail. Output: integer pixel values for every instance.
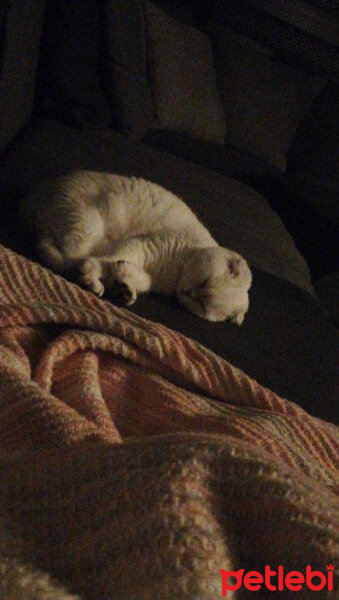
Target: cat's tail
(51, 255)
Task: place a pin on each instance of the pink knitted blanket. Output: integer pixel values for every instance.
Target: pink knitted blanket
(136, 464)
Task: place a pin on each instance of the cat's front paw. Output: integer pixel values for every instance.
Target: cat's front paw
(121, 283)
(89, 276)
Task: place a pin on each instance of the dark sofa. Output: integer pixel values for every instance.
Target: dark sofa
(83, 85)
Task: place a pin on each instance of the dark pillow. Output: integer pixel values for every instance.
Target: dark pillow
(182, 76)
(68, 78)
(124, 66)
(20, 32)
(263, 100)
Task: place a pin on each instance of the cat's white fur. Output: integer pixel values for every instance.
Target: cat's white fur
(134, 236)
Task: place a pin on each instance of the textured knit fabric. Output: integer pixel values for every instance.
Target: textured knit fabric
(135, 463)
(294, 42)
(301, 15)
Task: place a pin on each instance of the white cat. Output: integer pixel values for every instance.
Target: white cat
(132, 236)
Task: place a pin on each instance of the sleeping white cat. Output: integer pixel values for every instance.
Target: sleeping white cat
(131, 236)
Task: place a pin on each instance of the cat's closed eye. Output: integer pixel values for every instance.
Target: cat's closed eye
(197, 287)
(203, 284)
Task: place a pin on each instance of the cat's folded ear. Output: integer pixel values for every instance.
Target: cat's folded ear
(235, 266)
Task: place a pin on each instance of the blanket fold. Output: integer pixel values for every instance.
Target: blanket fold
(135, 463)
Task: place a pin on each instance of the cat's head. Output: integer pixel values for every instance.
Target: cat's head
(214, 284)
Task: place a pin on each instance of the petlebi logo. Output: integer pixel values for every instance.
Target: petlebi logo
(277, 580)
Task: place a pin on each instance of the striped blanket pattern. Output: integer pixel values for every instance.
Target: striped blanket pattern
(135, 463)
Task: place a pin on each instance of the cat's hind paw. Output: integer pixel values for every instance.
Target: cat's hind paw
(89, 274)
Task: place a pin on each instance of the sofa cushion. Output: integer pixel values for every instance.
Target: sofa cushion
(124, 66)
(238, 216)
(182, 75)
(263, 100)
(20, 32)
